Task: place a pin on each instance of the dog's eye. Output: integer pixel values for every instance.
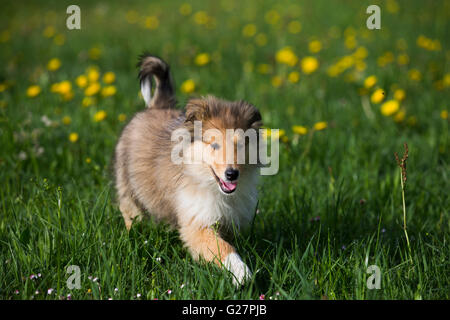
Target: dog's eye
(215, 146)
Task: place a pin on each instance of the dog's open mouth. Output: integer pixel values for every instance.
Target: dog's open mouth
(226, 187)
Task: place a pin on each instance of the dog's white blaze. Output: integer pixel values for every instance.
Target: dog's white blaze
(146, 90)
(238, 268)
(205, 204)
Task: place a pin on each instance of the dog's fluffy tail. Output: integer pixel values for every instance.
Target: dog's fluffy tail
(163, 96)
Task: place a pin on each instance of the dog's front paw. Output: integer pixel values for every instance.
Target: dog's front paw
(234, 264)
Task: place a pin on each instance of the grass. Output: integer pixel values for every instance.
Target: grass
(334, 208)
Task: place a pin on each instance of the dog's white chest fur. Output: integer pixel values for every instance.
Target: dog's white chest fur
(206, 204)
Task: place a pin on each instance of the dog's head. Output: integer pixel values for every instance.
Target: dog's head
(229, 139)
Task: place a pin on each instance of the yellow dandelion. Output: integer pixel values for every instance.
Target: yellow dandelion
(73, 137)
(249, 30)
(66, 120)
(185, 9)
(92, 89)
(261, 39)
(390, 107)
(87, 101)
(54, 64)
(294, 76)
(272, 17)
(95, 53)
(294, 27)
(286, 56)
(63, 87)
(350, 42)
(93, 74)
(446, 80)
(49, 32)
(99, 116)
(81, 81)
(315, 46)
(59, 39)
(151, 23)
(201, 17)
(276, 81)
(361, 53)
(309, 64)
(399, 94)
(400, 115)
(3, 86)
(414, 75)
(320, 125)
(263, 68)
(122, 117)
(109, 77)
(33, 91)
(88, 160)
(202, 59)
(370, 82)
(109, 91)
(402, 59)
(377, 96)
(301, 130)
(188, 86)
(444, 114)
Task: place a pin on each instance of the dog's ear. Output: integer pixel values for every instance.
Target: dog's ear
(197, 110)
(256, 120)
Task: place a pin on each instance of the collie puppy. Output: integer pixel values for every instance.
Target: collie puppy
(203, 200)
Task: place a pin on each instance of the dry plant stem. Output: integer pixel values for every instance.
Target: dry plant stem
(404, 215)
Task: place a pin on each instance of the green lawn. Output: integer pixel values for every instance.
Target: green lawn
(333, 209)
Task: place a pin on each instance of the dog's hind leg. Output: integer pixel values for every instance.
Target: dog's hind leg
(207, 243)
(129, 210)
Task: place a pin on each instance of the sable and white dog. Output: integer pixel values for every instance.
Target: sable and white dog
(202, 200)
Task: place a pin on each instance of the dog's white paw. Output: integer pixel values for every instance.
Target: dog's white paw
(234, 264)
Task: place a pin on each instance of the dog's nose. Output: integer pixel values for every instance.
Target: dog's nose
(231, 174)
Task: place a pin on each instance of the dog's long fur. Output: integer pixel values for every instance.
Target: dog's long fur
(187, 196)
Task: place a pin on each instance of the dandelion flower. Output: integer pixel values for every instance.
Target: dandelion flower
(185, 9)
(400, 116)
(444, 114)
(390, 107)
(315, 46)
(100, 116)
(81, 81)
(261, 39)
(73, 137)
(370, 82)
(294, 27)
(122, 117)
(249, 30)
(320, 125)
(88, 160)
(399, 94)
(54, 64)
(377, 96)
(151, 23)
(93, 74)
(109, 91)
(309, 64)
(202, 59)
(87, 101)
(66, 120)
(92, 89)
(276, 81)
(286, 56)
(95, 53)
(49, 32)
(188, 86)
(414, 75)
(301, 130)
(33, 91)
(109, 77)
(294, 76)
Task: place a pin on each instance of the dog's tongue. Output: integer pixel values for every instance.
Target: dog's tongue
(230, 186)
